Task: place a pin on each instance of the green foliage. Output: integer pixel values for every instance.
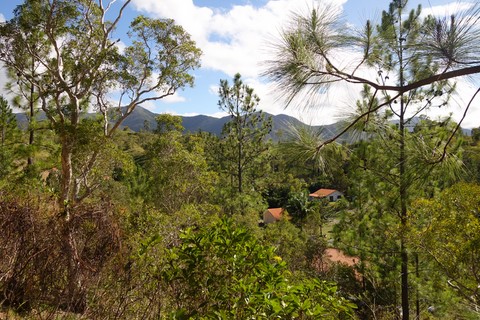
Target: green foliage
(167, 122)
(447, 230)
(372, 228)
(72, 41)
(476, 135)
(301, 206)
(177, 172)
(224, 272)
(175, 54)
(303, 143)
(9, 138)
(65, 52)
(108, 165)
(284, 180)
(242, 145)
(372, 234)
(289, 242)
(471, 160)
(141, 235)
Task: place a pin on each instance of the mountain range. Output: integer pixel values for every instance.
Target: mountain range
(143, 119)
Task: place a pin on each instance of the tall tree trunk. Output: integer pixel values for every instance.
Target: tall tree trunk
(417, 298)
(75, 291)
(66, 200)
(32, 114)
(403, 213)
(239, 167)
(403, 182)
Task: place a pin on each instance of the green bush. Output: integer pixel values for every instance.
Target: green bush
(224, 272)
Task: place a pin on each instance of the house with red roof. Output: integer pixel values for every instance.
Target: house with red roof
(273, 215)
(330, 194)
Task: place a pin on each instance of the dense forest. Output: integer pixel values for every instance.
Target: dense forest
(100, 222)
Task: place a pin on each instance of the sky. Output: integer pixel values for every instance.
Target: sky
(235, 36)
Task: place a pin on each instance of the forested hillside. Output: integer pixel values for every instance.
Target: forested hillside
(376, 219)
(142, 119)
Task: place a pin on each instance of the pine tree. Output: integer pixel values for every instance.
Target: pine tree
(9, 134)
(243, 137)
(415, 59)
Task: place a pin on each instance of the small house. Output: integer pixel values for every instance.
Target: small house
(273, 215)
(331, 194)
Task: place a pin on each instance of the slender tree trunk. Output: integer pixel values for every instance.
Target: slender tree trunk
(65, 200)
(403, 215)
(403, 184)
(239, 168)
(240, 146)
(404, 270)
(32, 114)
(75, 295)
(417, 300)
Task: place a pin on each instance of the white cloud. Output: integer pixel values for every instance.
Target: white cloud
(121, 46)
(458, 104)
(3, 82)
(236, 40)
(2, 18)
(213, 89)
(232, 40)
(3, 77)
(174, 98)
(323, 109)
(447, 9)
(150, 106)
(194, 19)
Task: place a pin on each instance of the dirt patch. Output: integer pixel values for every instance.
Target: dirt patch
(335, 255)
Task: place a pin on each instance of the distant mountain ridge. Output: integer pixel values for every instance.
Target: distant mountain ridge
(143, 119)
(141, 116)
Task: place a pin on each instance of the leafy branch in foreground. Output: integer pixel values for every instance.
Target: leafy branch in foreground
(224, 272)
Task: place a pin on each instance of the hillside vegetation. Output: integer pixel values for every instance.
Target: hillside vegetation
(377, 219)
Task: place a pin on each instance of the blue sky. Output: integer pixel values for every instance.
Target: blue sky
(233, 34)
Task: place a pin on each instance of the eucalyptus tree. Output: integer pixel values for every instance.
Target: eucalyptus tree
(243, 137)
(414, 61)
(77, 65)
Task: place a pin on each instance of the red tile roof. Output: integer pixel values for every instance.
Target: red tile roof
(320, 193)
(276, 212)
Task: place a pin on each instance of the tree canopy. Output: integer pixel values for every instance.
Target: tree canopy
(414, 60)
